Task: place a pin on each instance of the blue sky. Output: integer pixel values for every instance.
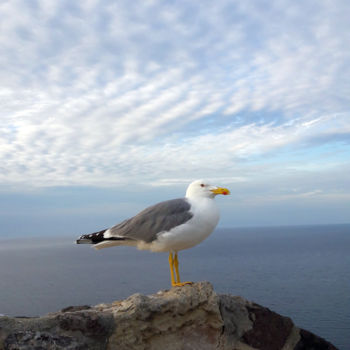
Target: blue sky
(109, 106)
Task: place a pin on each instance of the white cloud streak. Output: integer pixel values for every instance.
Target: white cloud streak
(103, 95)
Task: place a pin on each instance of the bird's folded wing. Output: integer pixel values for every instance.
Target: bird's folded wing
(160, 217)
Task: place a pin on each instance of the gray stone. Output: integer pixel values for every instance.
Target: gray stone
(192, 317)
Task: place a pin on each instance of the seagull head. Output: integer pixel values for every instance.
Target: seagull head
(201, 188)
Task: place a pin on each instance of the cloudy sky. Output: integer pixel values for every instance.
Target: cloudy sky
(108, 106)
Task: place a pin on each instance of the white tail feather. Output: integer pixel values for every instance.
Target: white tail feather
(107, 244)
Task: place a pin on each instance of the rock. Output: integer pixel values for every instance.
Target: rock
(192, 317)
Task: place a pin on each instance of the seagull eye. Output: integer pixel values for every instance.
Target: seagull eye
(202, 185)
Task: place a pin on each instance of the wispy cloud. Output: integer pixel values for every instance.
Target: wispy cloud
(105, 94)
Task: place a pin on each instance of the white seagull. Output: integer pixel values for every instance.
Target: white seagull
(168, 226)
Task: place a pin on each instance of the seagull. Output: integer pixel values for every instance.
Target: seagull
(168, 226)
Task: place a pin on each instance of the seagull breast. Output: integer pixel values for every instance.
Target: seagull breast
(204, 220)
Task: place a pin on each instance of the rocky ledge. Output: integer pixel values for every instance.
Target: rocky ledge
(189, 317)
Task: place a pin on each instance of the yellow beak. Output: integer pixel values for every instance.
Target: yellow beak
(221, 190)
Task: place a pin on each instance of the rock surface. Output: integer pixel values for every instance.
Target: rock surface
(192, 317)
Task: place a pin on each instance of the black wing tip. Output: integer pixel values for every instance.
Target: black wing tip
(96, 237)
(91, 238)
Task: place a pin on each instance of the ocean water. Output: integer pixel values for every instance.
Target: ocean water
(302, 272)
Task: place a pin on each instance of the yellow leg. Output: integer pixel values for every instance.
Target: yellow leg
(176, 265)
(171, 265)
(178, 283)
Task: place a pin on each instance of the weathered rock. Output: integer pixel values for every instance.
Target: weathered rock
(311, 341)
(184, 318)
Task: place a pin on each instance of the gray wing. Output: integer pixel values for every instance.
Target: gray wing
(160, 217)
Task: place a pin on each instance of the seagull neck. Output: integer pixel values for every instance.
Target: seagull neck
(196, 198)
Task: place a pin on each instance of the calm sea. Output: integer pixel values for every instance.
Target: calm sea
(301, 272)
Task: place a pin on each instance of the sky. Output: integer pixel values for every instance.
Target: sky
(110, 106)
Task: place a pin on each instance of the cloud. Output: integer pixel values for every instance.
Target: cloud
(103, 94)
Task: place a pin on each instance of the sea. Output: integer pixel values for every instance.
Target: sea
(302, 272)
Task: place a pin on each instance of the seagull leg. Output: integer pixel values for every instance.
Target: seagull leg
(171, 265)
(176, 265)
